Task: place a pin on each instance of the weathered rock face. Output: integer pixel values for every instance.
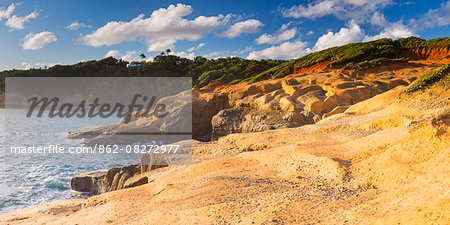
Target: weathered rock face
(101, 181)
(247, 119)
(92, 182)
(204, 107)
(120, 176)
(292, 102)
(427, 53)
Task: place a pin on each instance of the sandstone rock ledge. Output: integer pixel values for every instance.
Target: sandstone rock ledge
(293, 101)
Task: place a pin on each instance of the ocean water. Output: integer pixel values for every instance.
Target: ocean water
(28, 180)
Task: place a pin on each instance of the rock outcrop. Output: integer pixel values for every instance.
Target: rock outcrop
(247, 120)
(93, 182)
(295, 101)
(221, 109)
(101, 181)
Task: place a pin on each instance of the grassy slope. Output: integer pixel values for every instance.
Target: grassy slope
(357, 55)
(441, 75)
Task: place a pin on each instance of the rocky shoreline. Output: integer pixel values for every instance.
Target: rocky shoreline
(331, 147)
(381, 161)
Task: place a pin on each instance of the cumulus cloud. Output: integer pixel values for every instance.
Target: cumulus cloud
(17, 22)
(6, 13)
(27, 66)
(162, 29)
(112, 53)
(283, 34)
(287, 50)
(189, 55)
(243, 27)
(434, 18)
(37, 41)
(195, 48)
(130, 56)
(76, 25)
(378, 19)
(393, 31)
(351, 33)
(342, 9)
(13, 21)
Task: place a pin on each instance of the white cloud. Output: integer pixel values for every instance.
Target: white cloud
(111, 53)
(288, 50)
(283, 34)
(243, 27)
(378, 19)
(189, 55)
(13, 21)
(76, 25)
(216, 54)
(162, 29)
(346, 35)
(434, 18)
(393, 31)
(311, 11)
(37, 41)
(342, 9)
(310, 33)
(244, 51)
(130, 56)
(6, 13)
(195, 48)
(16, 22)
(27, 66)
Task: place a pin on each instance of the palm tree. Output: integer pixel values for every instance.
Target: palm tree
(168, 51)
(142, 56)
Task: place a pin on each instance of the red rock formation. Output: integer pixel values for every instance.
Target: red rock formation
(426, 53)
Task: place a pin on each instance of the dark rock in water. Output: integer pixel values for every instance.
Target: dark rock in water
(91, 182)
(101, 181)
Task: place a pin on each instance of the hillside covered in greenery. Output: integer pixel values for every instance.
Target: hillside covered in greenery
(354, 56)
(201, 69)
(441, 75)
(237, 70)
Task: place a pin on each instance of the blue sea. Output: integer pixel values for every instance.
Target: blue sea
(28, 180)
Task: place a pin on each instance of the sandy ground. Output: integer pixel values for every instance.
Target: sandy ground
(360, 167)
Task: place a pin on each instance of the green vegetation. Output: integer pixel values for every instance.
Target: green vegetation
(359, 56)
(436, 76)
(202, 70)
(356, 56)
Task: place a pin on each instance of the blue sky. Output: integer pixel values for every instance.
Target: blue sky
(45, 33)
